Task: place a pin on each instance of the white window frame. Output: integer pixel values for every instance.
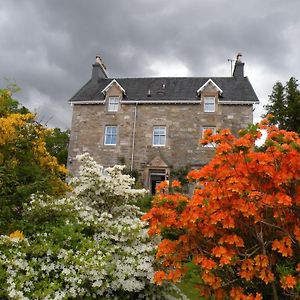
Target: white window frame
(162, 136)
(109, 135)
(113, 104)
(209, 104)
(214, 129)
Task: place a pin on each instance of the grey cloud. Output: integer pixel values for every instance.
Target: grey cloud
(49, 46)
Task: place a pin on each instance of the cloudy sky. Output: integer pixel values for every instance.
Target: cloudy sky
(48, 46)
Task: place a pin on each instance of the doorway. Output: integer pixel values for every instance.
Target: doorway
(155, 179)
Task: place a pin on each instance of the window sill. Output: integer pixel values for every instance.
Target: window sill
(111, 112)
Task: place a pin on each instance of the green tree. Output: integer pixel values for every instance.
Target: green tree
(57, 143)
(284, 105)
(292, 105)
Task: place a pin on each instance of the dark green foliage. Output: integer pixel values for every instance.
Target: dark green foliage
(145, 203)
(57, 145)
(285, 105)
(181, 174)
(293, 106)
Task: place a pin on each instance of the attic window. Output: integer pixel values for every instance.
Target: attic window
(113, 104)
(209, 104)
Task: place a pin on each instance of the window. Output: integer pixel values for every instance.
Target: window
(213, 130)
(110, 135)
(209, 104)
(159, 136)
(113, 104)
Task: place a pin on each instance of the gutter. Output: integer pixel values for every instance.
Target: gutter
(133, 137)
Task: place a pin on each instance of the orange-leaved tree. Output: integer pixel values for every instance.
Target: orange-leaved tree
(241, 227)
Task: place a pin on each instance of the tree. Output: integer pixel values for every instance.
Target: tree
(57, 143)
(241, 228)
(293, 105)
(285, 105)
(88, 245)
(26, 167)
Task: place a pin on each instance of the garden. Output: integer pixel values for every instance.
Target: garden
(236, 237)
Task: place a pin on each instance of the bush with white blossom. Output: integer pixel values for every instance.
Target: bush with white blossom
(88, 245)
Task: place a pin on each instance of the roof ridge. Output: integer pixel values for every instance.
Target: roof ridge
(169, 77)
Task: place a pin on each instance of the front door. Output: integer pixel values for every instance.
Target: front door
(155, 180)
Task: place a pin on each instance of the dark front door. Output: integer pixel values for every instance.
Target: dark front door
(156, 179)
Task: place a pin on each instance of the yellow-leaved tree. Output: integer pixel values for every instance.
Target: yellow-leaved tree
(26, 167)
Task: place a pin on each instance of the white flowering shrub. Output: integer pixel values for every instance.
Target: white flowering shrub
(88, 245)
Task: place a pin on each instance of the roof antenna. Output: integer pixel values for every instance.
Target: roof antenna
(231, 62)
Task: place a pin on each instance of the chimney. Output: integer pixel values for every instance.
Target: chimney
(238, 67)
(98, 69)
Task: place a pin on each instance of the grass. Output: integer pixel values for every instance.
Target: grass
(189, 282)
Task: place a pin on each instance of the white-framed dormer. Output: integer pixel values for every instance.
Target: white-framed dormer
(209, 94)
(114, 93)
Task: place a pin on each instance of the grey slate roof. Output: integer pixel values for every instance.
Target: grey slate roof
(176, 88)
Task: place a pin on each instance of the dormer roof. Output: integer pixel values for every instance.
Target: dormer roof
(114, 81)
(207, 83)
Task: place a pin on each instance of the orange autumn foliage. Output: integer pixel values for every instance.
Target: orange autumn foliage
(241, 227)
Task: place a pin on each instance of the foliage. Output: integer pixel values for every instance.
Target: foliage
(57, 143)
(25, 165)
(285, 105)
(8, 105)
(144, 203)
(90, 244)
(242, 225)
(181, 174)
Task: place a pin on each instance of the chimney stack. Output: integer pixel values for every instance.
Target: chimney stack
(99, 69)
(238, 71)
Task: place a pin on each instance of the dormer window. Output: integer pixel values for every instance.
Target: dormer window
(113, 104)
(209, 104)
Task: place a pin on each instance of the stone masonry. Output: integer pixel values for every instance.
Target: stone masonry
(134, 146)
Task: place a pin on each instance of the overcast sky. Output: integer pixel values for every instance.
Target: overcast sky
(48, 46)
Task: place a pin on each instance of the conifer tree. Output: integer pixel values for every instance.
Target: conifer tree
(292, 105)
(284, 105)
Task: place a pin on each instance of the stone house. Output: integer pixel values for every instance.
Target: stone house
(153, 125)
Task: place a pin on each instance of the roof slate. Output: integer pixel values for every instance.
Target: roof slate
(176, 88)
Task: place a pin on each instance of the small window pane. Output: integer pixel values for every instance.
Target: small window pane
(159, 136)
(113, 104)
(209, 104)
(110, 135)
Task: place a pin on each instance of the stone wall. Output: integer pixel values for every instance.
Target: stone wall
(183, 125)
